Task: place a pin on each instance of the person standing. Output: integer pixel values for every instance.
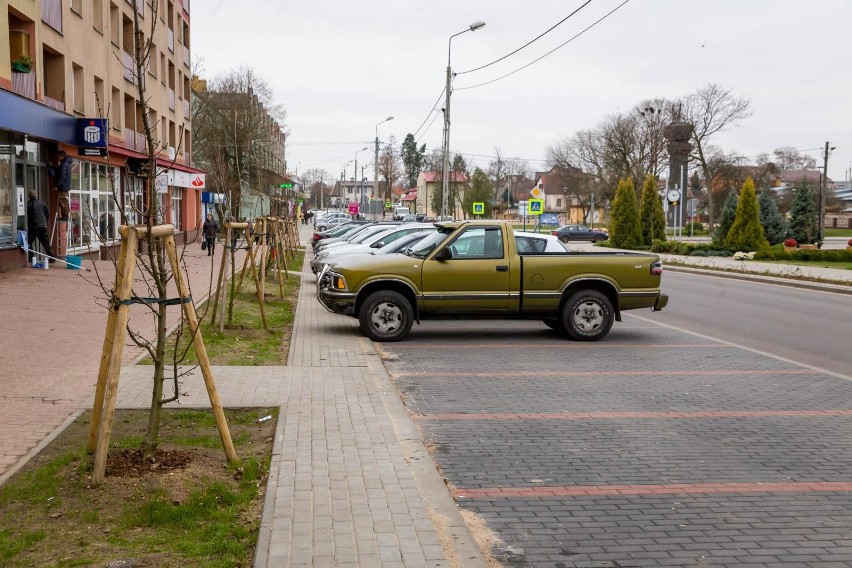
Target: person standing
(62, 182)
(208, 231)
(37, 216)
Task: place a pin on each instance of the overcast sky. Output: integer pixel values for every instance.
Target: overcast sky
(339, 67)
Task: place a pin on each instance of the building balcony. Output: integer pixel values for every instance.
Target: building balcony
(54, 103)
(24, 84)
(186, 60)
(127, 65)
(186, 113)
(140, 141)
(171, 40)
(171, 99)
(51, 14)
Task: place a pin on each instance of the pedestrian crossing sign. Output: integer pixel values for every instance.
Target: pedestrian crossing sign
(479, 208)
(535, 206)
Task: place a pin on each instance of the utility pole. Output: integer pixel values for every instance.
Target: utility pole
(445, 169)
(822, 189)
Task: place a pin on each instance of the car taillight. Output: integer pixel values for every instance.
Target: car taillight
(657, 268)
(554, 233)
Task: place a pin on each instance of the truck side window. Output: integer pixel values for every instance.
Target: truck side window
(478, 243)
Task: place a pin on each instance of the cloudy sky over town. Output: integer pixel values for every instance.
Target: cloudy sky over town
(340, 67)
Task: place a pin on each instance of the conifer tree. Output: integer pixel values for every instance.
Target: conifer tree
(774, 225)
(804, 218)
(726, 219)
(653, 220)
(746, 234)
(625, 229)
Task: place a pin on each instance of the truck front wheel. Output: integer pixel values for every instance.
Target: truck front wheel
(587, 315)
(386, 316)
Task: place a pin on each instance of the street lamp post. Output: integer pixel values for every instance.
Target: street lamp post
(448, 89)
(376, 163)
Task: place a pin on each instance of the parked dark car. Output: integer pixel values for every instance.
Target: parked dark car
(567, 233)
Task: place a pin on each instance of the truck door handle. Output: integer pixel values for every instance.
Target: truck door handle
(502, 268)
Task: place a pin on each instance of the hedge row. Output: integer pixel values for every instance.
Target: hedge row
(774, 253)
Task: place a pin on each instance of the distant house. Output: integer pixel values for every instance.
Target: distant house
(428, 183)
(789, 179)
(557, 195)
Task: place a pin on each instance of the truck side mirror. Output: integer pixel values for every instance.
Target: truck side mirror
(444, 254)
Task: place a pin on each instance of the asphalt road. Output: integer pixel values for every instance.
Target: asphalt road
(807, 326)
(655, 446)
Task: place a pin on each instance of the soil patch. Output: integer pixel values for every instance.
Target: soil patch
(185, 507)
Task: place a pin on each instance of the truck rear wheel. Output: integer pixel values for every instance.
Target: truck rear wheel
(386, 316)
(587, 315)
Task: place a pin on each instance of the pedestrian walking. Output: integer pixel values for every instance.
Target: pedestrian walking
(37, 216)
(62, 182)
(208, 231)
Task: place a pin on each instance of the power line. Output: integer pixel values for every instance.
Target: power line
(608, 14)
(560, 22)
(434, 118)
(431, 111)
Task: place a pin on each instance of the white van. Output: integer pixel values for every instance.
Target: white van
(400, 212)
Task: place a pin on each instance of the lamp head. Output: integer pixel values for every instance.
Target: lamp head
(388, 118)
(476, 25)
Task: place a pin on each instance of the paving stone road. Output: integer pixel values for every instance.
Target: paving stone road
(650, 448)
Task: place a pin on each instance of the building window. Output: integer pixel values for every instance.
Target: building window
(79, 93)
(114, 24)
(94, 216)
(176, 207)
(559, 203)
(99, 104)
(115, 111)
(98, 15)
(77, 6)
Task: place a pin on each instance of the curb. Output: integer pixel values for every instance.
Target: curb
(764, 278)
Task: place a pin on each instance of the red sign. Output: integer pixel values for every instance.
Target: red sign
(353, 208)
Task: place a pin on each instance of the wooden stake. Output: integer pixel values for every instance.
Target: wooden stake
(203, 360)
(106, 351)
(116, 337)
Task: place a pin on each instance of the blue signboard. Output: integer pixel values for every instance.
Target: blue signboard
(549, 219)
(92, 136)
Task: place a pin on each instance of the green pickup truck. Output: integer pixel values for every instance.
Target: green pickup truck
(473, 270)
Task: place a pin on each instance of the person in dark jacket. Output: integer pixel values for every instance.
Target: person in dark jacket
(62, 182)
(37, 216)
(208, 231)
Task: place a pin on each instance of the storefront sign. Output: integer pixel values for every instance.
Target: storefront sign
(178, 178)
(91, 136)
(75, 204)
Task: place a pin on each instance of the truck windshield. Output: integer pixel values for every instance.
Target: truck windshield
(428, 244)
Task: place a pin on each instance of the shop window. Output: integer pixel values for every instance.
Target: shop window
(176, 209)
(94, 216)
(134, 200)
(7, 236)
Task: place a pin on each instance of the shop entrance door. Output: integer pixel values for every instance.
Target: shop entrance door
(27, 177)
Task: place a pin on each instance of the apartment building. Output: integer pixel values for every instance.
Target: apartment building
(67, 84)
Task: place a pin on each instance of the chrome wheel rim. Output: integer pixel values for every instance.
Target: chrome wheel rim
(588, 316)
(386, 317)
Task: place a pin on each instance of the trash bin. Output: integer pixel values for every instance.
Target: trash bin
(74, 262)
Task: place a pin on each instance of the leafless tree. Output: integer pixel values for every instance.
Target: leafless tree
(390, 167)
(236, 122)
(789, 158)
(710, 110)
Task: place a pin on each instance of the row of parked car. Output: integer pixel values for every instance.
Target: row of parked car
(354, 237)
